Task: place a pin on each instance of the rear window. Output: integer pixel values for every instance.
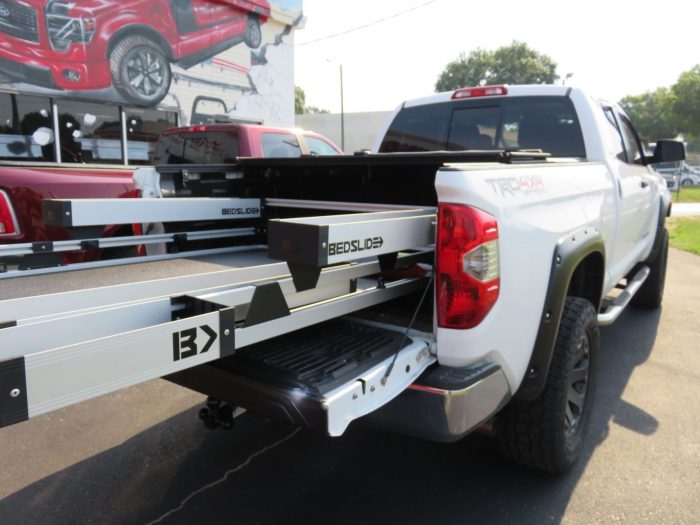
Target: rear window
(546, 123)
(210, 147)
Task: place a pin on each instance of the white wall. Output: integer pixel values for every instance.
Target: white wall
(254, 91)
(361, 129)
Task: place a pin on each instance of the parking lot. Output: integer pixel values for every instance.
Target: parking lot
(142, 456)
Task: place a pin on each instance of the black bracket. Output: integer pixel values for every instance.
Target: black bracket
(305, 277)
(387, 261)
(268, 303)
(89, 245)
(42, 247)
(227, 318)
(57, 213)
(14, 407)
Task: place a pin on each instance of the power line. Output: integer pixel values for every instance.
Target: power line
(395, 15)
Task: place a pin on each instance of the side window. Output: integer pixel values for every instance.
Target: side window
(280, 145)
(419, 128)
(473, 128)
(546, 123)
(635, 153)
(143, 126)
(26, 128)
(319, 147)
(614, 139)
(89, 132)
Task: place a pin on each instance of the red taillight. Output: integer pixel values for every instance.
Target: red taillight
(468, 276)
(8, 221)
(482, 91)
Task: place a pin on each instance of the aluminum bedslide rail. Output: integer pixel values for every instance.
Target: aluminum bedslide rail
(93, 212)
(60, 349)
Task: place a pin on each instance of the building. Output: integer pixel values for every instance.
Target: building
(199, 57)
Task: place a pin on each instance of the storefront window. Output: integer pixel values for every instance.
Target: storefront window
(89, 133)
(143, 126)
(26, 128)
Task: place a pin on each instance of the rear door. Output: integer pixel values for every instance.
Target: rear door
(635, 193)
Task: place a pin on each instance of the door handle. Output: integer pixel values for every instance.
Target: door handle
(644, 184)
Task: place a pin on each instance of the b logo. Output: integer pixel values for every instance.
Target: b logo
(185, 342)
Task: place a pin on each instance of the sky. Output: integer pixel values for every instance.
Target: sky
(612, 48)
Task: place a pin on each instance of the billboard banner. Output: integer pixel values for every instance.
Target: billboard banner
(203, 57)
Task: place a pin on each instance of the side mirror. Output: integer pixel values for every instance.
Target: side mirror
(667, 151)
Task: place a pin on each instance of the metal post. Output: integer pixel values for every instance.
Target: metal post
(125, 136)
(342, 112)
(56, 131)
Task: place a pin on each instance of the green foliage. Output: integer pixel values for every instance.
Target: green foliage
(652, 114)
(314, 109)
(299, 100)
(513, 64)
(687, 101)
(686, 195)
(300, 106)
(668, 112)
(684, 233)
(692, 144)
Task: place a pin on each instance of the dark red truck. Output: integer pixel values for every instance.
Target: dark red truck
(22, 189)
(221, 143)
(129, 44)
(24, 185)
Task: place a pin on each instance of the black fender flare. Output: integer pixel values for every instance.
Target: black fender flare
(664, 211)
(569, 252)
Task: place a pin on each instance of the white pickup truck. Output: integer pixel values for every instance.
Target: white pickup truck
(528, 216)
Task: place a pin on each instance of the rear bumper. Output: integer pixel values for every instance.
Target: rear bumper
(445, 404)
(352, 389)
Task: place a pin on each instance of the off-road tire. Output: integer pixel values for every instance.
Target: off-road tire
(651, 294)
(253, 33)
(140, 70)
(548, 433)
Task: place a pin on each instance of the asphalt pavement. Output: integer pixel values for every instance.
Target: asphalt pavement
(142, 456)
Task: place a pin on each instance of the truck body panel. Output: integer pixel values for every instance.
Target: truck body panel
(524, 199)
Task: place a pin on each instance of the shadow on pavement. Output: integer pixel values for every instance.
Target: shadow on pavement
(367, 476)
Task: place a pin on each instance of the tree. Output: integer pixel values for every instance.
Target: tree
(299, 100)
(653, 114)
(300, 106)
(314, 109)
(513, 64)
(686, 105)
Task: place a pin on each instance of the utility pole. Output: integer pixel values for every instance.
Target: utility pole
(342, 112)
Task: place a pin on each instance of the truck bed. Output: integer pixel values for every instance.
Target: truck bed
(335, 237)
(77, 280)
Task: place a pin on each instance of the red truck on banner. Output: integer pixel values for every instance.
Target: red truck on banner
(94, 44)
